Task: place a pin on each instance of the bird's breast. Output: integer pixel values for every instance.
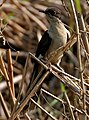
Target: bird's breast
(59, 38)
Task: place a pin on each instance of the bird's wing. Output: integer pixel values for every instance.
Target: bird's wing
(44, 44)
(42, 48)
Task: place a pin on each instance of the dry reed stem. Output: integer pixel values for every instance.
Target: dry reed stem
(31, 94)
(10, 69)
(60, 100)
(76, 89)
(21, 85)
(54, 70)
(66, 74)
(3, 69)
(79, 59)
(69, 105)
(84, 33)
(28, 13)
(4, 106)
(52, 117)
(67, 82)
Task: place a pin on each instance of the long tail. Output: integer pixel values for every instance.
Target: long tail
(37, 68)
(34, 74)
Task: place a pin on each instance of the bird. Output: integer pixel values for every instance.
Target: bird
(55, 37)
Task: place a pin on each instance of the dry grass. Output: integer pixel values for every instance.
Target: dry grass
(64, 97)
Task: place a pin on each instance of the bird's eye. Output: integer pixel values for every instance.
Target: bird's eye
(52, 12)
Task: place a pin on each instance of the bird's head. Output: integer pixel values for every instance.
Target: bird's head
(53, 14)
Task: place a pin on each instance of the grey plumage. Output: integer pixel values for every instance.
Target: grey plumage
(52, 39)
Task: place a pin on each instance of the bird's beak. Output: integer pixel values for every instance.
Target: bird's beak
(42, 11)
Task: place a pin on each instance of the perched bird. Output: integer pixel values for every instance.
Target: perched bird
(52, 39)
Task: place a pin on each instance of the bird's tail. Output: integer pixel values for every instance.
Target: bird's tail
(34, 74)
(31, 85)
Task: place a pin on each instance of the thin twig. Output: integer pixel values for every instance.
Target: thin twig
(4, 106)
(70, 109)
(56, 69)
(66, 74)
(27, 116)
(31, 94)
(84, 34)
(44, 110)
(50, 94)
(75, 89)
(60, 100)
(10, 69)
(21, 84)
(3, 69)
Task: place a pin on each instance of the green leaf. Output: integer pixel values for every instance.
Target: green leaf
(62, 87)
(78, 6)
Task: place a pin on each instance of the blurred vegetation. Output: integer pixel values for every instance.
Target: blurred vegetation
(22, 26)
